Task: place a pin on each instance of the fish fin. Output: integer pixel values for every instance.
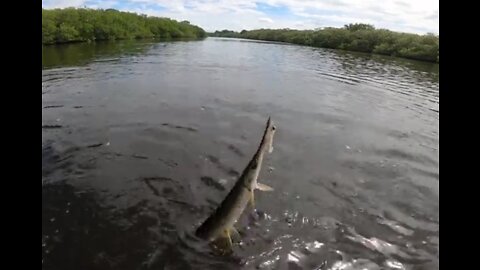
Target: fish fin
(252, 200)
(223, 242)
(229, 238)
(235, 233)
(263, 187)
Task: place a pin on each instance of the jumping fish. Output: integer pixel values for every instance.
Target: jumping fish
(220, 225)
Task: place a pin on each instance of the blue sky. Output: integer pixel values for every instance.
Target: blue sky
(415, 16)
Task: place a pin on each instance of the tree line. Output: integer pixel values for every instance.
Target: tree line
(352, 37)
(82, 24)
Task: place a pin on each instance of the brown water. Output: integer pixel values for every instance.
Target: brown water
(142, 140)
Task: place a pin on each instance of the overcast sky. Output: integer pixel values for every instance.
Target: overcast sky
(415, 16)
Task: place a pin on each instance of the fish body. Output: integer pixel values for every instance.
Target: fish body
(221, 222)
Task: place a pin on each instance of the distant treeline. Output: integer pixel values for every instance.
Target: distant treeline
(353, 37)
(73, 25)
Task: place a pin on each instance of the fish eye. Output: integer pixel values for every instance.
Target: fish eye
(273, 128)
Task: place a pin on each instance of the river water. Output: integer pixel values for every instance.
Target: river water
(141, 140)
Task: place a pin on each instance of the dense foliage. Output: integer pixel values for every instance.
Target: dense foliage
(224, 33)
(72, 25)
(353, 37)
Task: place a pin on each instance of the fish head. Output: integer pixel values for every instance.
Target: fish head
(269, 133)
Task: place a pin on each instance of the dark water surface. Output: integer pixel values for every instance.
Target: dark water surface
(142, 140)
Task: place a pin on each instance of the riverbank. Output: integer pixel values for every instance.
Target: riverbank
(353, 37)
(72, 25)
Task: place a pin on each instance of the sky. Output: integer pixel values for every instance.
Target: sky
(412, 16)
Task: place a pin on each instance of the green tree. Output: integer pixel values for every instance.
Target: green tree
(49, 29)
(359, 26)
(72, 25)
(354, 37)
(67, 33)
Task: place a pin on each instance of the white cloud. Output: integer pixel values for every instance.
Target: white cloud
(399, 15)
(62, 3)
(265, 19)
